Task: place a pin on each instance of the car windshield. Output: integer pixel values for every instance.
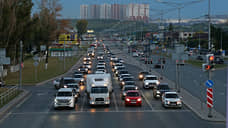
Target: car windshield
(130, 83)
(123, 72)
(129, 88)
(133, 94)
(171, 96)
(64, 94)
(128, 79)
(151, 78)
(78, 76)
(99, 90)
(67, 81)
(163, 87)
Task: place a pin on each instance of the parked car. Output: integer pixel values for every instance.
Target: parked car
(135, 54)
(133, 98)
(171, 99)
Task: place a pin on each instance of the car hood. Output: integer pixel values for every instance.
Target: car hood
(151, 81)
(63, 98)
(172, 99)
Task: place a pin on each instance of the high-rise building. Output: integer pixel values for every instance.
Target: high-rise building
(84, 14)
(105, 11)
(115, 11)
(138, 12)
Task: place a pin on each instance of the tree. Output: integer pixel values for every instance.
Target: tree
(14, 24)
(81, 27)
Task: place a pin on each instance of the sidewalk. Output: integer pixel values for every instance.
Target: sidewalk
(192, 102)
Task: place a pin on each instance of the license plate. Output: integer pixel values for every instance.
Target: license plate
(133, 102)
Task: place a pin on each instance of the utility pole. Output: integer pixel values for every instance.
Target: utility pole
(20, 77)
(64, 56)
(209, 24)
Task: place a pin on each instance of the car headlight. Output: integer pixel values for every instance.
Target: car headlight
(158, 92)
(140, 76)
(146, 83)
(84, 59)
(56, 100)
(86, 69)
(65, 86)
(167, 102)
(179, 102)
(82, 80)
(136, 88)
(124, 94)
(79, 69)
(89, 66)
(123, 83)
(157, 82)
(139, 99)
(115, 67)
(127, 99)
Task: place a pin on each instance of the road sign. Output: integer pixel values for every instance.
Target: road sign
(209, 83)
(36, 63)
(209, 97)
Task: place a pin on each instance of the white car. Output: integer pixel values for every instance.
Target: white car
(150, 81)
(79, 78)
(65, 97)
(135, 54)
(56, 83)
(171, 99)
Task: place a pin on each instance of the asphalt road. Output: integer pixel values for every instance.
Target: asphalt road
(193, 80)
(37, 111)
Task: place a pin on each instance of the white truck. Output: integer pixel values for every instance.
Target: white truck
(99, 88)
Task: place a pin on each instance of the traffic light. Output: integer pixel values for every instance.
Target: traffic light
(207, 67)
(210, 58)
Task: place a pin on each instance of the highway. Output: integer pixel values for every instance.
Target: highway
(37, 110)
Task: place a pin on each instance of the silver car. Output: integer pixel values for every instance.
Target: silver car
(171, 99)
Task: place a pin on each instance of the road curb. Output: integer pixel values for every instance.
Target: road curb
(6, 108)
(217, 117)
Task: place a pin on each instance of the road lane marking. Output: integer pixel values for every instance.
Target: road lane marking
(146, 100)
(115, 102)
(98, 111)
(6, 116)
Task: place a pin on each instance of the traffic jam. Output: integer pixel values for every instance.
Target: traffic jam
(104, 81)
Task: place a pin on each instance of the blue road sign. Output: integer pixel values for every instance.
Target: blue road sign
(209, 83)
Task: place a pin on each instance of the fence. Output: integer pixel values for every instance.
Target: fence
(6, 96)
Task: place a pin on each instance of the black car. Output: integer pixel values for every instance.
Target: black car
(199, 58)
(159, 65)
(118, 73)
(160, 89)
(142, 74)
(219, 60)
(83, 70)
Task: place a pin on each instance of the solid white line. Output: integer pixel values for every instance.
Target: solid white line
(146, 100)
(122, 111)
(115, 102)
(6, 116)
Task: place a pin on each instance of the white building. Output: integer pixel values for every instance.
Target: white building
(105, 11)
(138, 11)
(84, 12)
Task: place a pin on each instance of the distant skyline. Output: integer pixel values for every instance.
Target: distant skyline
(71, 8)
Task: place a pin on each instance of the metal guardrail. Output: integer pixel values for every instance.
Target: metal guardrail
(8, 95)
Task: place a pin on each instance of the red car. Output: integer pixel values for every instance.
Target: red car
(133, 98)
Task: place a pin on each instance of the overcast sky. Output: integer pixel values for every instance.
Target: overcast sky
(71, 8)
